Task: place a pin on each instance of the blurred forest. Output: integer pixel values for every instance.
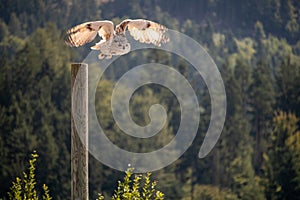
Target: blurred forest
(256, 45)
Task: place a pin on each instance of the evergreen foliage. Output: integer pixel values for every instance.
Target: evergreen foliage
(282, 158)
(254, 43)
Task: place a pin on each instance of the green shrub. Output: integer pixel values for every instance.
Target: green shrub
(138, 187)
(25, 188)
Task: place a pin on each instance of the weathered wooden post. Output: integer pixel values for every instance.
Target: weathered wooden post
(79, 147)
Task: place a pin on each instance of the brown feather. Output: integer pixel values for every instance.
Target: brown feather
(86, 32)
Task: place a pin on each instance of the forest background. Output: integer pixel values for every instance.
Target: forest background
(256, 46)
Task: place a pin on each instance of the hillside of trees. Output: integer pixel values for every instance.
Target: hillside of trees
(256, 46)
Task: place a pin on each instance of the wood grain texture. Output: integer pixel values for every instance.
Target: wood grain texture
(79, 131)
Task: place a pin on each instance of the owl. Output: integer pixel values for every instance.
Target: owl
(113, 40)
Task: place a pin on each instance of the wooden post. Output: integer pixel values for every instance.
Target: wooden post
(79, 131)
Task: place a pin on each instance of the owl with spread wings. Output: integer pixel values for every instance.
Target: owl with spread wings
(114, 41)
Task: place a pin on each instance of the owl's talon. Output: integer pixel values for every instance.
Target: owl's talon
(108, 56)
(101, 56)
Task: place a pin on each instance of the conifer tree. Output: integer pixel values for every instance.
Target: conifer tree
(288, 86)
(237, 172)
(282, 161)
(262, 105)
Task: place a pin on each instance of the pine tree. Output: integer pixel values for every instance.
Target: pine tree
(288, 86)
(31, 113)
(282, 161)
(262, 104)
(237, 172)
(15, 25)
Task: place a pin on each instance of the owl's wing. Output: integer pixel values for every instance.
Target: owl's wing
(144, 31)
(86, 32)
